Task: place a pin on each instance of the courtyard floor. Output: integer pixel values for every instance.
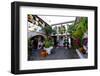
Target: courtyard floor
(57, 53)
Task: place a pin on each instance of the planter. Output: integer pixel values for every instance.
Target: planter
(43, 53)
(48, 50)
(82, 50)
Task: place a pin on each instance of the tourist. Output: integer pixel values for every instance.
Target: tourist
(40, 44)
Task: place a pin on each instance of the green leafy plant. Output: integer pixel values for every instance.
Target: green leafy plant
(54, 30)
(48, 42)
(79, 28)
(47, 30)
(62, 29)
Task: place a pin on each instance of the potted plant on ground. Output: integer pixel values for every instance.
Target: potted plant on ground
(48, 45)
(48, 40)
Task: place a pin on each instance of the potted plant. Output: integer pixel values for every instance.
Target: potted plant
(48, 45)
(77, 30)
(43, 53)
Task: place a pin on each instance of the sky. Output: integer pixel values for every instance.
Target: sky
(56, 19)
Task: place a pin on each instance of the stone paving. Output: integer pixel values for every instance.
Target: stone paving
(57, 53)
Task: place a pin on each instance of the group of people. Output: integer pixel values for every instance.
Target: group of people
(64, 41)
(67, 42)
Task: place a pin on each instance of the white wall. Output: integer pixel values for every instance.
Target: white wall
(5, 41)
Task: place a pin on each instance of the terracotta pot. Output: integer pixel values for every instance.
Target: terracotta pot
(82, 50)
(43, 53)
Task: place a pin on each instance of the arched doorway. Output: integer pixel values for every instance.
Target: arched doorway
(36, 39)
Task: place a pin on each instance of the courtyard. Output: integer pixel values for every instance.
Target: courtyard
(56, 37)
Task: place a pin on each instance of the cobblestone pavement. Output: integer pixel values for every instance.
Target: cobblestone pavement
(58, 53)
